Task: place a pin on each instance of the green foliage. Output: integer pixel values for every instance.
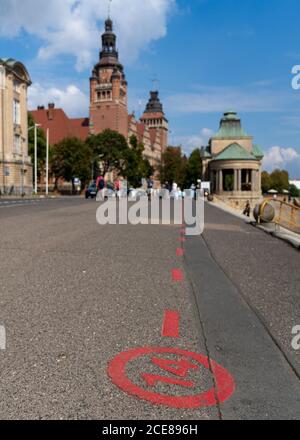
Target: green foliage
(173, 167)
(136, 166)
(294, 191)
(278, 180)
(111, 149)
(72, 159)
(176, 167)
(265, 182)
(194, 168)
(41, 144)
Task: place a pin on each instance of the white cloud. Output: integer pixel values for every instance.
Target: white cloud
(73, 26)
(74, 102)
(283, 158)
(189, 143)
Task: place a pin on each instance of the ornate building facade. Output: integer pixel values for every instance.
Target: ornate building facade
(15, 163)
(109, 103)
(109, 107)
(232, 163)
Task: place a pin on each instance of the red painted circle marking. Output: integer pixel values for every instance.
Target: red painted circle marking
(225, 385)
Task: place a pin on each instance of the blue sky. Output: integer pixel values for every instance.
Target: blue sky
(209, 55)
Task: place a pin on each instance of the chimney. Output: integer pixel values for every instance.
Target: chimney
(51, 107)
(41, 107)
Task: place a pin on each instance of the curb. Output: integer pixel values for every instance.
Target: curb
(280, 235)
(287, 237)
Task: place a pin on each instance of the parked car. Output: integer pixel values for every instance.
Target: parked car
(91, 191)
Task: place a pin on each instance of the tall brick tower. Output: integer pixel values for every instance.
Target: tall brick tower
(155, 119)
(108, 88)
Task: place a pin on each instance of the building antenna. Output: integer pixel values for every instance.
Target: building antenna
(155, 82)
(109, 7)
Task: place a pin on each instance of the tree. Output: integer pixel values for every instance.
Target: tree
(111, 149)
(72, 159)
(41, 145)
(194, 168)
(265, 182)
(136, 166)
(279, 180)
(294, 191)
(173, 167)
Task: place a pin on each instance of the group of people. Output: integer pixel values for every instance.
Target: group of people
(101, 184)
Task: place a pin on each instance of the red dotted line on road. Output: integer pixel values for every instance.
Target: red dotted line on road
(179, 369)
(171, 324)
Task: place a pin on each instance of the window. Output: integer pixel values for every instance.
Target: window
(17, 144)
(17, 112)
(16, 86)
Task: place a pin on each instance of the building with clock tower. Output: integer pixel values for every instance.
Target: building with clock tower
(108, 88)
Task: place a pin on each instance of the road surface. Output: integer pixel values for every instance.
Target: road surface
(74, 295)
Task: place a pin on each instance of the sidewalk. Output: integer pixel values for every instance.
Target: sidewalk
(270, 228)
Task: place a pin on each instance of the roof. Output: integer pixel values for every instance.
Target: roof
(205, 154)
(230, 127)
(80, 128)
(17, 68)
(154, 105)
(60, 126)
(257, 151)
(235, 152)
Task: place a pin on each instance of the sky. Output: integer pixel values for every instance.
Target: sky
(208, 56)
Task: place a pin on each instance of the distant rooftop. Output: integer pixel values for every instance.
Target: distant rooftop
(230, 127)
(17, 68)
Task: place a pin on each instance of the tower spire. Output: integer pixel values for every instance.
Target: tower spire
(109, 39)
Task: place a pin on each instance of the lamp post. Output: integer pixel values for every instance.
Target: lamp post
(35, 156)
(47, 163)
(2, 88)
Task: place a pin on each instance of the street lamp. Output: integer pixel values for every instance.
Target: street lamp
(2, 88)
(47, 163)
(35, 156)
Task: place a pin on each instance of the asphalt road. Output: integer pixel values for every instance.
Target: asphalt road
(74, 295)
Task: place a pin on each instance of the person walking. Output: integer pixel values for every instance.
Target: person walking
(247, 210)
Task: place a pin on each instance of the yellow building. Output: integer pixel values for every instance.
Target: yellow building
(15, 164)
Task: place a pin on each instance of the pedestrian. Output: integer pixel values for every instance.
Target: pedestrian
(247, 210)
(117, 185)
(100, 183)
